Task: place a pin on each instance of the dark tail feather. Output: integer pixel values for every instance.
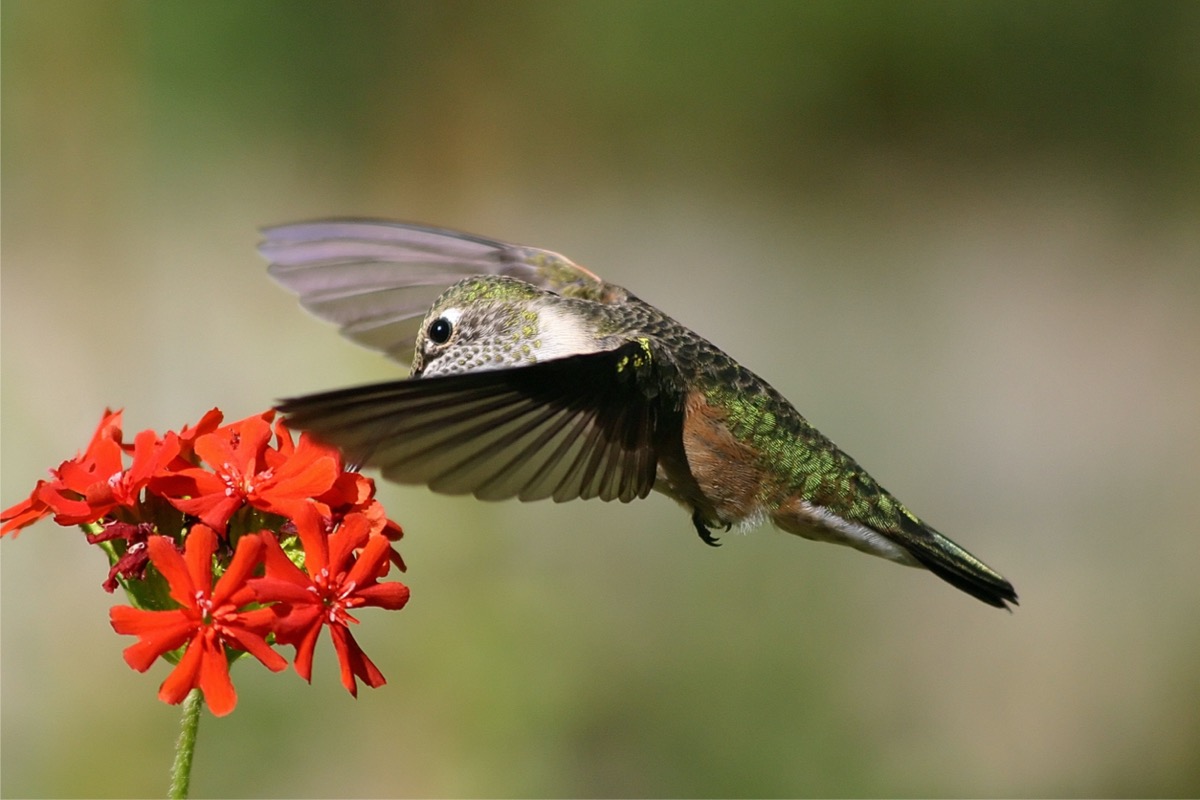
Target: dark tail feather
(959, 568)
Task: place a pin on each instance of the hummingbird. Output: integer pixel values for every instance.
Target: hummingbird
(533, 378)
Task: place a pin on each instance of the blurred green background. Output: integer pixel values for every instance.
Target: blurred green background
(964, 238)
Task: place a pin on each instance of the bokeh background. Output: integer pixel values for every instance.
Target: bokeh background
(964, 238)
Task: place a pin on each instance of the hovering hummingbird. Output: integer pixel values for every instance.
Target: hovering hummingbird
(533, 378)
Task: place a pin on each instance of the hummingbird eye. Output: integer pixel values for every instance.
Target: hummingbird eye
(440, 330)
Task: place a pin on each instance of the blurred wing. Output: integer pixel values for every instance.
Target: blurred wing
(377, 279)
(576, 427)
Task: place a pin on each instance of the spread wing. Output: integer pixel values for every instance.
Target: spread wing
(576, 427)
(376, 279)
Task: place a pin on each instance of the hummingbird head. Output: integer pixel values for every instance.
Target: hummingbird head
(495, 322)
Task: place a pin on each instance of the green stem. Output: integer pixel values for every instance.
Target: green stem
(185, 748)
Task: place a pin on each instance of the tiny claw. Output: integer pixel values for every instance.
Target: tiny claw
(705, 534)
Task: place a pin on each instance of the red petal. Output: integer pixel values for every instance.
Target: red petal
(350, 489)
(257, 646)
(142, 622)
(280, 495)
(310, 527)
(242, 596)
(198, 549)
(184, 677)
(142, 655)
(393, 595)
(275, 590)
(207, 424)
(372, 559)
(283, 438)
(25, 513)
(214, 509)
(101, 462)
(215, 682)
(294, 624)
(109, 429)
(167, 560)
(305, 646)
(259, 621)
(68, 508)
(159, 630)
(354, 661)
(245, 560)
(187, 482)
(237, 446)
(151, 455)
(352, 534)
(279, 566)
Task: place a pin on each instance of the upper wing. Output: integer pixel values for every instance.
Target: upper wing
(576, 427)
(377, 279)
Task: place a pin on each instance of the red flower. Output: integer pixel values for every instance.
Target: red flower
(245, 470)
(81, 492)
(209, 621)
(151, 455)
(333, 582)
(67, 496)
(95, 483)
(145, 514)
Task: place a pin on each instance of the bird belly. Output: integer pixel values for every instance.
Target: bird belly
(716, 474)
(818, 523)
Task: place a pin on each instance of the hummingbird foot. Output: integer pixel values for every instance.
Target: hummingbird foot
(705, 534)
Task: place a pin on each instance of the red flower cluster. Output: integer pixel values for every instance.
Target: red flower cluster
(222, 502)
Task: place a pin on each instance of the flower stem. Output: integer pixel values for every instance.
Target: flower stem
(185, 748)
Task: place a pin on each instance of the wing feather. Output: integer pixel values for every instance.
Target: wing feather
(576, 427)
(376, 279)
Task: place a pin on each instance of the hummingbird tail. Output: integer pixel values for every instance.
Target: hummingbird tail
(959, 568)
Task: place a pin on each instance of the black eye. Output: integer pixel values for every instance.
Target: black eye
(439, 330)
